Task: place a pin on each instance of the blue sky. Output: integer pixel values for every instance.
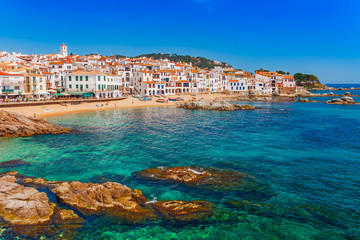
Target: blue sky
(309, 36)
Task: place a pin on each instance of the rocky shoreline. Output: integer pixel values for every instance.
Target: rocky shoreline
(17, 125)
(216, 105)
(22, 204)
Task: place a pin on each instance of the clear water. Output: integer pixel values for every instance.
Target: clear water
(308, 154)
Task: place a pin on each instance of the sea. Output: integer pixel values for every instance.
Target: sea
(306, 155)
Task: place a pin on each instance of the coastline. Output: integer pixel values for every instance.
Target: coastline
(130, 102)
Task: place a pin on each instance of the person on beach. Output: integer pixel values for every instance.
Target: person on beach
(34, 115)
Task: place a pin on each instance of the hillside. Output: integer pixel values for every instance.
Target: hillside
(307, 80)
(200, 62)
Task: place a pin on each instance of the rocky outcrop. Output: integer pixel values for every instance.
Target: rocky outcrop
(38, 182)
(183, 211)
(214, 179)
(91, 197)
(344, 101)
(304, 100)
(17, 125)
(13, 163)
(214, 105)
(178, 174)
(21, 205)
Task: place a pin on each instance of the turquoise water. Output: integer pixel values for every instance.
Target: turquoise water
(307, 154)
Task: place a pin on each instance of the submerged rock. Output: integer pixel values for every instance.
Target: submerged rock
(308, 213)
(183, 211)
(91, 197)
(214, 105)
(21, 205)
(64, 216)
(13, 163)
(17, 125)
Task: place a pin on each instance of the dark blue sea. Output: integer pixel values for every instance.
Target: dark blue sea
(307, 156)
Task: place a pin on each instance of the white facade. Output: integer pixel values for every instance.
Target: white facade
(11, 84)
(101, 84)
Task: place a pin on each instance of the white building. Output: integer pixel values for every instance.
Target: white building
(11, 84)
(98, 83)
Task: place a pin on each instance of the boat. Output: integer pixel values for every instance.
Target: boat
(136, 96)
(157, 96)
(161, 100)
(173, 99)
(144, 98)
(180, 99)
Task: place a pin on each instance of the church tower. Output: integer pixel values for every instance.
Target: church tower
(63, 50)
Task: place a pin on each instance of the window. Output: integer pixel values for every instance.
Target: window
(99, 80)
(34, 87)
(34, 81)
(87, 85)
(99, 85)
(41, 87)
(87, 78)
(77, 85)
(40, 79)
(77, 78)
(80, 78)
(70, 86)
(16, 88)
(69, 78)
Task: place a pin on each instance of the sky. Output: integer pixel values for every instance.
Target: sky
(309, 36)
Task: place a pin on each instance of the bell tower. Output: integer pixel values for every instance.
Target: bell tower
(63, 50)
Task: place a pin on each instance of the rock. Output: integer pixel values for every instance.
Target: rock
(347, 94)
(13, 163)
(21, 205)
(183, 211)
(214, 105)
(64, 216)
(348, 99)
(304, 100)
(17, 125)
(214, 179)
(331, 93)
(344, 100)
(178, 174)
(245, 107)
(38, 182)
(90, 197)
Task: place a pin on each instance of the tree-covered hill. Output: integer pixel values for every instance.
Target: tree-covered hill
(200, 62)
(307, 80)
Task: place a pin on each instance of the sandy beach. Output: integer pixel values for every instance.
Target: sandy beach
(130, 102)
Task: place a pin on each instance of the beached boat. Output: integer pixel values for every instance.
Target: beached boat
(173, 99)
(136, 96)
(180, 99)
(144, 98)
(157, 96)
(161, 100)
